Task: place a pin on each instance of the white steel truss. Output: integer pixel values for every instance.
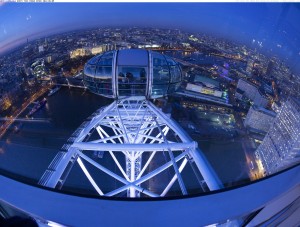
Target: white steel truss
(139, 131)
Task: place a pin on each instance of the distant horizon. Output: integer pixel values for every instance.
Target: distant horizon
(274, 25)
(38, 37)
(35, 37)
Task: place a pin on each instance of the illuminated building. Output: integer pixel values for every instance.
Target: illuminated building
(259, 119)
(252, 92)
(5, 102)
(79, 52)
(203, 90)
(281, 146)
(38, 68)
(97, 50)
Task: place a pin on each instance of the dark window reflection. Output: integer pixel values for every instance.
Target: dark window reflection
(132, 80)
(161, 73)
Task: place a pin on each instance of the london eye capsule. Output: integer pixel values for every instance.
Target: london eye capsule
(132, 72)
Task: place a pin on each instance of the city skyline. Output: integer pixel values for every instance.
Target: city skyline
(268, 27)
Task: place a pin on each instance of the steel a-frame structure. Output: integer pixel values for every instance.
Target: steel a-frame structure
(131, 127)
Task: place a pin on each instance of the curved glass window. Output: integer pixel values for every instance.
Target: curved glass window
(98, 74)
(175, 74)
(132, 81)
(161, 76)
(104, 73)
(106, 59)
(159, 90)
(89, 70)
(174, 70)
(94, 60)
(173, 87)
(170, 61)
(161, 72)
(103, 88)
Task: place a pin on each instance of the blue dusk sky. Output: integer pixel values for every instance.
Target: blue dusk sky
(275, 25)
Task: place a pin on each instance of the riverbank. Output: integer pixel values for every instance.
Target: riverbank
(23, 107)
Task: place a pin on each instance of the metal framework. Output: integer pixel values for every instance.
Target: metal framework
(137, 130)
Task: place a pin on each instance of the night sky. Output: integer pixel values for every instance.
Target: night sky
(275, 25)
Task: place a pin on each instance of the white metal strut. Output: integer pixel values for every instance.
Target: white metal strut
(140, 132)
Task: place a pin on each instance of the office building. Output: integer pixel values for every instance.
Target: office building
(259, 119)
(252, 92)
(281, 146)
